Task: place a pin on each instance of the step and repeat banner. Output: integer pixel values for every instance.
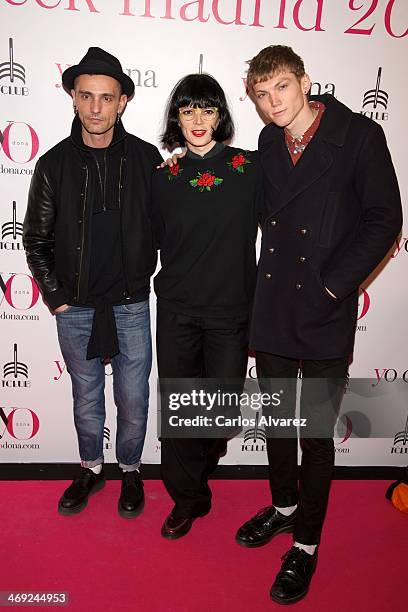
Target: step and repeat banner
(354, 49)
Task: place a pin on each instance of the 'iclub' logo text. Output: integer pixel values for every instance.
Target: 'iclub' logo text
(15, 372)
(12, 75)
(12, 232)
(400, 445)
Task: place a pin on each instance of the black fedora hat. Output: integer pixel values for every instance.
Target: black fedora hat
(98, 61)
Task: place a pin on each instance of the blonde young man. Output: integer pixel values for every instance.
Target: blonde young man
(332, 210)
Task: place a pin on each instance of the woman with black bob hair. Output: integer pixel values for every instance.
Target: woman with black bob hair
(206, 210)
(199, 91)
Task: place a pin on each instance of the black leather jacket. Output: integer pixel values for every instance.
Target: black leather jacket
(57, 221)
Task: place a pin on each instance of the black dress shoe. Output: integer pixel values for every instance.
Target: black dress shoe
(260, 529)
(75, 498)
(175, 527)
(293, 580)
(131, 500)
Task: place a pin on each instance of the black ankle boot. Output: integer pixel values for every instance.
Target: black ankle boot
(75, 498)
(131, 501)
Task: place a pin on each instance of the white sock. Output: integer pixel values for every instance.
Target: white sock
(97, 469)
(287, 511)
(136, 470)
(309, 548)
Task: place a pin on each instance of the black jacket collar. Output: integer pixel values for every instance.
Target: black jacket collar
(119, 134)
(333, 125)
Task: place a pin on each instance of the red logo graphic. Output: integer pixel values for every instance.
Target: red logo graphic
(61, 367)
(389, 375)
(349, 429)
(61, 69)
(363, 304)
(20, 142)
(21, 423)
(20, 291)
(400, 245)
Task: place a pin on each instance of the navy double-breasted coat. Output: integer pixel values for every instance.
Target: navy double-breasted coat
(327, 222)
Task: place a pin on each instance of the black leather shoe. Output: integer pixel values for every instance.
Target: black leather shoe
(75, 498)
(175, 527)
(293, 580)
(131, 500)
(260, 529)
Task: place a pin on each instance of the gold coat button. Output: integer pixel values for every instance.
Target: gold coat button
(273, 223)
(303, 231)
(302, 259)
(298, 286)
(268, 276)
(271, 250)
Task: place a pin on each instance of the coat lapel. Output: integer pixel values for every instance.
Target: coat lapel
(276, 163)
(316, 160)
(314, 163)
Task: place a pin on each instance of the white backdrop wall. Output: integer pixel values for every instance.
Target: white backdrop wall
(356, 50)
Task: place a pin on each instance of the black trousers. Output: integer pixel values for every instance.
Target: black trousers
(323, 383)
(196, 347)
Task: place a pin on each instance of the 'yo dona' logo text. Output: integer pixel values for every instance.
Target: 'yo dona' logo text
(61, 368)
(18, 423)
(401, 246)
(19, 290)
(20, 142)
(389, 375)
(316, 89)
(141, 77)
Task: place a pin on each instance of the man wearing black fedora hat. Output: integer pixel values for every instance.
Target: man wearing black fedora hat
(89, 245)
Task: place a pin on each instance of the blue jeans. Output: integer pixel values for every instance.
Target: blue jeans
(131, 369)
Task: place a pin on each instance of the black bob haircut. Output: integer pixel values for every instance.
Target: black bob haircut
(199, 91)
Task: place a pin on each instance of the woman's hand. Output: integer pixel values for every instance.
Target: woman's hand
(172, 161)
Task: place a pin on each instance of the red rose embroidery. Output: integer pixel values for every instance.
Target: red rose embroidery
(206, 180)
(238, 163)
(173, 172)
(238, 160)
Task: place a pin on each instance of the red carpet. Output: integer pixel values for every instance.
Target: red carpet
(107, 563)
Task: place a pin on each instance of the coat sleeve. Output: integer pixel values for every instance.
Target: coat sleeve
(38, 237)
(381, 217)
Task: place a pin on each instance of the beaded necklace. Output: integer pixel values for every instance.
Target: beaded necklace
(296, 146)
